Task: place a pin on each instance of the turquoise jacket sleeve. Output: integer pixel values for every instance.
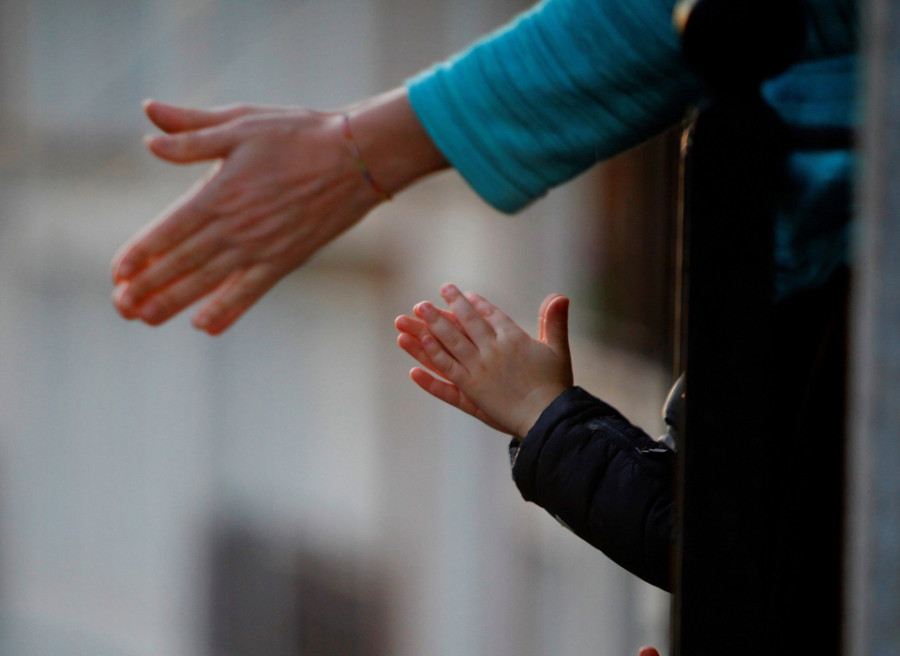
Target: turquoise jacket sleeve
(566, 84)
(572, 82)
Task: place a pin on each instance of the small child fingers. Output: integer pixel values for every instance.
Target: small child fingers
(415, 326)
(497, 319)
(448, 393)
(413, 347)
(411, 325)
(441, 389)
(444, 363)
(450, 334)
(474, 323)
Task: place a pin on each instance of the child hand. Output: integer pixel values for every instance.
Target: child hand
(412, 331)
(496, 371)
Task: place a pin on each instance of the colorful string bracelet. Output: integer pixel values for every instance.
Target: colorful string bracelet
(360, 164)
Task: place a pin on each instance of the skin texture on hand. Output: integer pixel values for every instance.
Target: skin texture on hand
(492, 369)
(285, 182)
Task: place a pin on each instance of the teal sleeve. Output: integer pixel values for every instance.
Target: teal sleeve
(566, 84)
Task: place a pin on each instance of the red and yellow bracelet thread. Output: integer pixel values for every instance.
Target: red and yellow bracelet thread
(360, 164)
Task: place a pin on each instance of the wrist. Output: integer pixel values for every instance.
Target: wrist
(391, 142)
(531, 408)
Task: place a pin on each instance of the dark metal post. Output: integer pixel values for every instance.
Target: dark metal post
(731, 172)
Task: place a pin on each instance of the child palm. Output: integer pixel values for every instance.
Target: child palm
(488, 366)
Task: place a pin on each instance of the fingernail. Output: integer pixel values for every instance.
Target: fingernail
(117, 303)
(155, 141)
(449, 291)
(124, 301)
(425, 309)
(201, 321)
(150, 311)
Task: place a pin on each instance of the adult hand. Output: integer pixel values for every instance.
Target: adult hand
(285, 183)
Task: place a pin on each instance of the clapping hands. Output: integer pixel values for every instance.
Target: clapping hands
(477, 359)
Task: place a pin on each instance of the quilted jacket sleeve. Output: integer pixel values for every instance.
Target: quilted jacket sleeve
(603, 478)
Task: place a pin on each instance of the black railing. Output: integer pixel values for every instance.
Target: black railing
(728, 494)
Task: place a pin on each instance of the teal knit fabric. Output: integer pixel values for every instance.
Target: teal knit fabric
(572, 82)
(567, 84)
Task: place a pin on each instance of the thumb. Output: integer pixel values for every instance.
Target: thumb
(554, 322)
(194, 145)
(174, 118)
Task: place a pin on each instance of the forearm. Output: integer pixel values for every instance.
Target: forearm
(605, 479)
(566, 84)
(392, 142)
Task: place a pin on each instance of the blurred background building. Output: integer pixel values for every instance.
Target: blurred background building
(284, 488)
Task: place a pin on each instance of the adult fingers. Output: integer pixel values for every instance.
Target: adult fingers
(478, 330)
(214, 142)
(126, 308)
(236, 296)
(193, 254)
(165, 304)
(174, 118)
(184, 217)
